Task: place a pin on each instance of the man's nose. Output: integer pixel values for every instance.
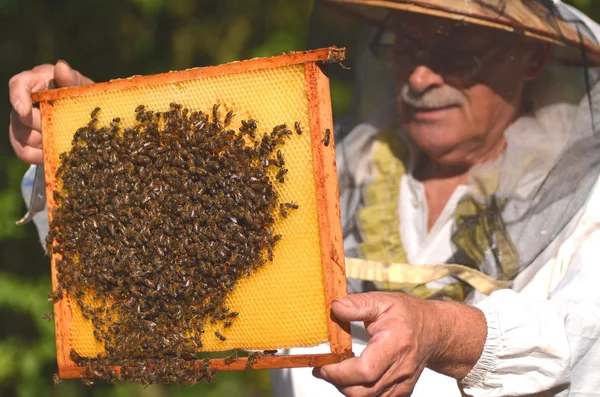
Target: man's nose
(423, 77)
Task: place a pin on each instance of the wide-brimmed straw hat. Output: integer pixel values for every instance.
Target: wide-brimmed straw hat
(539, 19)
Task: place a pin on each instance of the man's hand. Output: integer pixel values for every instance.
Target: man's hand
(407, 335)
(24, 130)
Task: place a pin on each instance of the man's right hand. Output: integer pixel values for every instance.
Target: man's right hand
(25, 127)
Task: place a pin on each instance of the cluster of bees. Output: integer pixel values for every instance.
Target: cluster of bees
(153, 227)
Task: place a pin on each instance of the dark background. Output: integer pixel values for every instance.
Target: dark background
(108, 39)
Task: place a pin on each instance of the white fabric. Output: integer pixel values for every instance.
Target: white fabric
(41, 218)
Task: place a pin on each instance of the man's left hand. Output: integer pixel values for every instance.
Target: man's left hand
(407, 335)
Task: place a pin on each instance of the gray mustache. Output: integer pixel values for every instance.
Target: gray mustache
(435, 98)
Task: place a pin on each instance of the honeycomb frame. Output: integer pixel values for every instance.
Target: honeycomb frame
(325, 179)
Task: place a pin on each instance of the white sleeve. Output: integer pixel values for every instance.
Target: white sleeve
(41, 218)
(550, 346)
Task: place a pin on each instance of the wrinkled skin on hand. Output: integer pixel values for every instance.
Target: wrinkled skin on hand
(407, 335)
(24, 130)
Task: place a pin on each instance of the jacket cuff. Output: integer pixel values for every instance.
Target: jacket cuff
(491, 350)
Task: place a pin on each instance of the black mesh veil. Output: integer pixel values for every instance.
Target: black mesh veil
(504, 229)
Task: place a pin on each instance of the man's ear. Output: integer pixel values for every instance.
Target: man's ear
(539, 54)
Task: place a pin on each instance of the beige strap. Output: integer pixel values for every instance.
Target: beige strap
(402, 273)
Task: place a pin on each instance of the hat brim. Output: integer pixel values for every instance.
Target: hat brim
(573, 47)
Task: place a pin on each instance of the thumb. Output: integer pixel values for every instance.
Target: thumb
(65, 76)
(358, 307)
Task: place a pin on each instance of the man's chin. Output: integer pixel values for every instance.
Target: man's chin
(432, 138)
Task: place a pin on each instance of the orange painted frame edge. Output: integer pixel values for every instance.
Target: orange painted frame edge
(317, 86)
(239, 364)
(332, 242)
(325, 55)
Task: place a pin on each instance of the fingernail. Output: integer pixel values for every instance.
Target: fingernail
(345, 302)
(65, 62)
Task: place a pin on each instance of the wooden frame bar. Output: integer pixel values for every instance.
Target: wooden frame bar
(331, 240)
(239, 364)
(325, 55)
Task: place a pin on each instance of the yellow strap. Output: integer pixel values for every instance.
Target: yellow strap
(402, 273)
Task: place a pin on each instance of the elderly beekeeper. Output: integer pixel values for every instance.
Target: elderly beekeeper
(471, 211)
(472, 142)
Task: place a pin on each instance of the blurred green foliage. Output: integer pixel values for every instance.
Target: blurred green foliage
(109, 39)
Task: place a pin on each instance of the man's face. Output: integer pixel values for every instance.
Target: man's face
(459, 86)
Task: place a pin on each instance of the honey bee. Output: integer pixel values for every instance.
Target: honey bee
(291, 205)
(252, 357)
(282, 211)
(298, 128)
(228, 118)
(252, 124)
(326, 137)
(215, 112)
(55, 296)
(231, 358)
(220, 336)
(281, 174)
(284, 133)
(249, 127)
(94, 113)
(57, 381)
(280, 158)
(279, 128)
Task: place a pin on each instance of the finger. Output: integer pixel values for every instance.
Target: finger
(358, 391)
(395, 390)
(360, 307)
(33, 120)
(65, 76)
(27, 130)
(398, 390)
(26, 136)
(27, 153)
(366, 369)
(23, 84)
(368, 391)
